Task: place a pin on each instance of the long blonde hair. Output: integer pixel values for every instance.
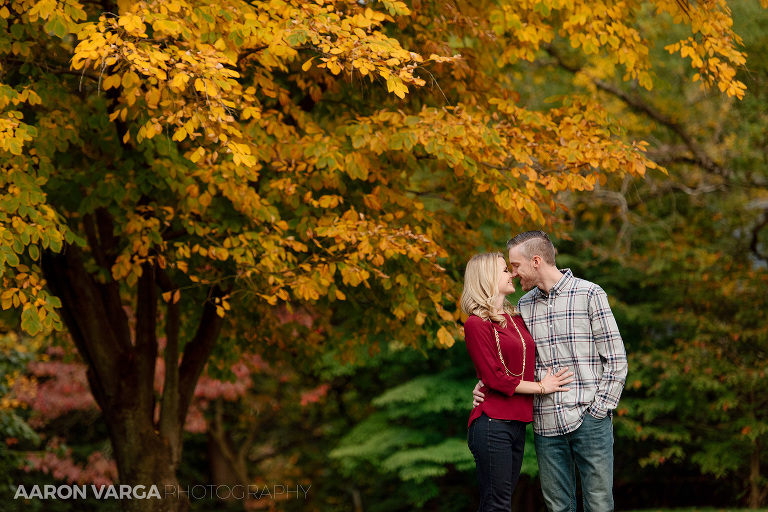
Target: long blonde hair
(481, 287)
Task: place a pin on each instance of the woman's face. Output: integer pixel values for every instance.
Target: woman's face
(504, 278)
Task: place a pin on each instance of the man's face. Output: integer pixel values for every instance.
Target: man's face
(523, 268)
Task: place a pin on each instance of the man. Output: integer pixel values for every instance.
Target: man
(573, 326)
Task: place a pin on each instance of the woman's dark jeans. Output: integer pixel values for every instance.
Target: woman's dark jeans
(497, 446)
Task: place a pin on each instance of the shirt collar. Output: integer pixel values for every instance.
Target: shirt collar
(559, 286)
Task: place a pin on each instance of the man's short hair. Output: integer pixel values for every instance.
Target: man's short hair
(534, 243)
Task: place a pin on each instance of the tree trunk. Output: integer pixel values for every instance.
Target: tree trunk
(757, 490)
(224, 471)
(121, 367)
(144, 458)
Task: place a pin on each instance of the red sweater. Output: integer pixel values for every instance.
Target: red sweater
(501, 402)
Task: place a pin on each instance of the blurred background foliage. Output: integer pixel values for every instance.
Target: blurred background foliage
(683, 257)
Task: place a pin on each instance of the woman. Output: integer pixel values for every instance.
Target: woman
(503, 352)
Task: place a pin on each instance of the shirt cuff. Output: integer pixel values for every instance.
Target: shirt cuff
(597, 412)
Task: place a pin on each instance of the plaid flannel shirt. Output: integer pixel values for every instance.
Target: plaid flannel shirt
(573, 326)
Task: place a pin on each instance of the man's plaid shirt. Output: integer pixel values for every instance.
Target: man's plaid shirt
(573, 326)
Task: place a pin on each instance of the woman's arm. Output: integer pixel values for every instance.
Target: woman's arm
(549, 384)
(481, 346)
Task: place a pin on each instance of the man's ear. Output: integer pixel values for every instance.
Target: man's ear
(536, 260)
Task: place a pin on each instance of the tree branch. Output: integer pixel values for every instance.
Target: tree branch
(109, 241)
(433, 194)
(218, 432)
(95, 333)
(754, 244)
(700, 157)
(56, 71)
(197, 352)
(89, 226)
(74, 72)
(146, 340)
(110, 291)
(250, 52)
(173, 235)
(169, 409)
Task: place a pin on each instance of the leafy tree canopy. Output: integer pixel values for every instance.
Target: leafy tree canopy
(198, 158)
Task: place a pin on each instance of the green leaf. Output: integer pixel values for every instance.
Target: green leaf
(30, 321)
(56, 26)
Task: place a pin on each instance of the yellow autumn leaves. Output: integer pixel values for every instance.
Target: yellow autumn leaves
(183, 77)
(313, 206)
(611, 30)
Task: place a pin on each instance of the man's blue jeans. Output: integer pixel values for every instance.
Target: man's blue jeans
(497, 446)
(590, 448)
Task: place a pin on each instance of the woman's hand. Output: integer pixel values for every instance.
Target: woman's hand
(555, 382)
(477, 396)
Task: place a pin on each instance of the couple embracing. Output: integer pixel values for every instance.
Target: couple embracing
(557, 360)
